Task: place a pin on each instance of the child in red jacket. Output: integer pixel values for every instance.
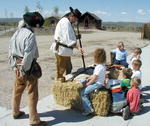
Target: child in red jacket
(133, 96)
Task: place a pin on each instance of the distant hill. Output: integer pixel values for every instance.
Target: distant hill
(135, 24)
(10, 20)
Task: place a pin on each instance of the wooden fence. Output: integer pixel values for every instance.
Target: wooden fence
(145, 34)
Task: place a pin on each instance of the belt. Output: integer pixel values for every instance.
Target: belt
(61, 44)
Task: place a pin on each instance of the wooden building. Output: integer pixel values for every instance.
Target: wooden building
(52, 21)
(90, 20)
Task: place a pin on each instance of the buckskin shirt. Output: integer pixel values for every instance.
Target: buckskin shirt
(23, 45)
(65, 34)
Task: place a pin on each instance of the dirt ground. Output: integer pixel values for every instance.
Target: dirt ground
(98, 39)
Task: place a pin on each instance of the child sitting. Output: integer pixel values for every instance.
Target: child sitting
(125, 83)
(95, 81)
(120, 55)
(136, 55)
(133, 96)
(119, 102)
(136, 65)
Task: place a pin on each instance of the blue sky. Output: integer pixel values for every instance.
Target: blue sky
(107, 10)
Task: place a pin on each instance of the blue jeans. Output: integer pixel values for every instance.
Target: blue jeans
(85, 96)
(121, 62)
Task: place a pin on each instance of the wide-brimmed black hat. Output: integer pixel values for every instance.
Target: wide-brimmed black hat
(33, 19)
(76, 12)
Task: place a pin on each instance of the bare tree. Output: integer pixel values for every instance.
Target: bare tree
(6, 13)
(55, 11)
(11, 15)
(39, 8)
(26, 9)
(6, 16)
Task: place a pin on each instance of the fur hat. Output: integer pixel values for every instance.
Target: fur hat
(33, 19)
(76, 12)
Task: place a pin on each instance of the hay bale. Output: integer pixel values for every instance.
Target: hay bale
(101, 102)
(68, 95)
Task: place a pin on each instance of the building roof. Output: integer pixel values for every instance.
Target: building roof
(91, 14)
(53, 17)
(87, 13)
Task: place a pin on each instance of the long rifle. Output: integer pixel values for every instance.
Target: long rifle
(80, 45)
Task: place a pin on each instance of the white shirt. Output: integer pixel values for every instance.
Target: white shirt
(65, 34)
(23, 45)
(100, 71)
(137, 74)
(134, 58)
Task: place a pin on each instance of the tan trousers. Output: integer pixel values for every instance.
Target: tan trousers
(32, 87)
(63, 65)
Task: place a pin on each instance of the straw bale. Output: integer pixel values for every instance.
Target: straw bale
(101, 102)
(68, 95)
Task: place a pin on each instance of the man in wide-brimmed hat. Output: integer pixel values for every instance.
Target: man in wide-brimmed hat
(23, 53)
(65, 42)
